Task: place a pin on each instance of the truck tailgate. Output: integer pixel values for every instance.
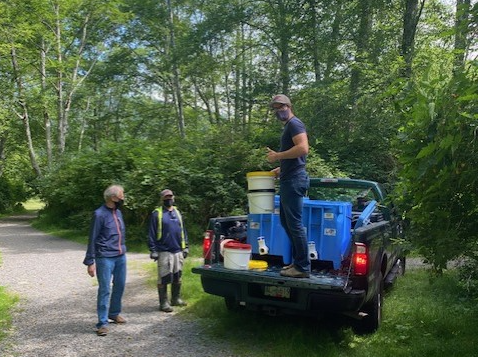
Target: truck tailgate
(271, 276)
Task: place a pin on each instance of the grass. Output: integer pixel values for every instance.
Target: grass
(422, 317)
(33, 204)
(7, 303)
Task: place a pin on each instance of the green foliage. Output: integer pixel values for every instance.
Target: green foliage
(11, 194)
(438, 189)
(354, 139)
(416, 323)
(468, 273)
(207, 173)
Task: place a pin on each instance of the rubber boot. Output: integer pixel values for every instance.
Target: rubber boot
(163, 299)
(176, 295)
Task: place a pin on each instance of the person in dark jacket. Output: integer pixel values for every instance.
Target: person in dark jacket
(106, 257)
(168, 244)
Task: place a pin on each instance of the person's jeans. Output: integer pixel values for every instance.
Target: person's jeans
(108, 269)
(292, 192)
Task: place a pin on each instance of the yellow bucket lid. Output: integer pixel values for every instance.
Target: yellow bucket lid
(260, 173)
(257, 264)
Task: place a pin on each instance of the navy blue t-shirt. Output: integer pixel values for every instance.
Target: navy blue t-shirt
(289, 167)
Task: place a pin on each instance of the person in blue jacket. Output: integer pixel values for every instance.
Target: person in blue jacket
(168, 245)
(106, 257)
(294, 183)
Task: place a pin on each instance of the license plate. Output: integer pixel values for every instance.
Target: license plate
(277, 291)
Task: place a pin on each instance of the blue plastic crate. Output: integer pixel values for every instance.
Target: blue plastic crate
(328, 225)
(268, 225)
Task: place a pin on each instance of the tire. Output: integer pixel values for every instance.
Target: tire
(231, 304)
(373, 309)
(403, 264)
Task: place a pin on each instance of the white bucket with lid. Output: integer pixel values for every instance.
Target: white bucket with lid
(236, 255)
(260, 180)
(261, 191)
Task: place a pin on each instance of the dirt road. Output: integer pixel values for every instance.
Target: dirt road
(57, 312)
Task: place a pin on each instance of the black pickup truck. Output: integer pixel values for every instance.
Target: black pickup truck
(354, 243)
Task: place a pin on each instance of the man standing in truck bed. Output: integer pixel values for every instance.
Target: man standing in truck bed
(294, 183)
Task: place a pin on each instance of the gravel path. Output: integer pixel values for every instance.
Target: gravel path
(57, 310)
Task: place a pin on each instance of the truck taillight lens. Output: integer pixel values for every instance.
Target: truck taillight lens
(207, 244)
(360, 259)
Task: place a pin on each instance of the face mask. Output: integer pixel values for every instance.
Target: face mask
(119, 204)
(283, 115)
(169, 202)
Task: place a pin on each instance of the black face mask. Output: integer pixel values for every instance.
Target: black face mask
(119, 204)
(169, 202)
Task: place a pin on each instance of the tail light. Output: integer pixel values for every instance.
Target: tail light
(360, 259)
(207, 244)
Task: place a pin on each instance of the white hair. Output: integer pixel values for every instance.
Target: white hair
(113, 190)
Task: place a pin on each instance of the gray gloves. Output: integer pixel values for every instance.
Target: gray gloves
(154, 256)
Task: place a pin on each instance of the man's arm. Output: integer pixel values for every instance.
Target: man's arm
(300, 148)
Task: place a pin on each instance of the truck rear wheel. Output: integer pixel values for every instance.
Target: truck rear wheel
(232, 304)
(403, 264)
(373, 309)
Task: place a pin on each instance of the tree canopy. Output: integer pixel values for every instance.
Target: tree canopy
(175, 93)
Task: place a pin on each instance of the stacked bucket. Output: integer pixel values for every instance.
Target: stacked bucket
(261, 191)
(264, 230)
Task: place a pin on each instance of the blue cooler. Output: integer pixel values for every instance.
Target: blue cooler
(328, 225)
(268, 226)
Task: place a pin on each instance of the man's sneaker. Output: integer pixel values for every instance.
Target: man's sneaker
(118, 319)
(294, 273)
(288, 267)
(102, 331)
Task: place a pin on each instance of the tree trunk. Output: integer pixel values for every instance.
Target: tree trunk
(59, 82)
(46, 115)
(461, 31)
(66, 93)
(239, 58)
(361, 44)
(23, 114)
(333, 42)
(205, 101)
(176, 80)
(284, 34)
(314, 42)
(411, 16)
(3, 140)
(83, 125)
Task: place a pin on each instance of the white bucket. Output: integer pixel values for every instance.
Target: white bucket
(261, 202)
(260, 180)
(237, 256)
